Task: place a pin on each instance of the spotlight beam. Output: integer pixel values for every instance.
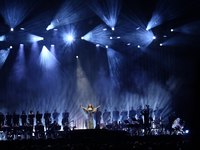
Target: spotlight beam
(3, 56)
(108, 11)
(15, 11)
(97, 35)
(71, 12)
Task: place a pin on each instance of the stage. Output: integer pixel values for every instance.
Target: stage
(95, 137)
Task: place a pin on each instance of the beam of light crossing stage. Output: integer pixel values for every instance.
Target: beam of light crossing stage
(108, 11)
(70, 12)
(115, 61)
(98, 36)
(166, 11)
(47, 60)
(15, 11)
(141, 38)
(19, 68)
(134, 26)
(3, 56)
(190, 28)
(85, 94)
(34, 38)
(2, 38)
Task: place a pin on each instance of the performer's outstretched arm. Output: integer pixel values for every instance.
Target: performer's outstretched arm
(85, 110)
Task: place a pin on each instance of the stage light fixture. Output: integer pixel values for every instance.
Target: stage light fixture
(128, 44)
(160, 44)
(52, 45)
(104, 29)
(11, 47)
(21, 44)
(106, 46)
(97, 45)
(113, 28)
(138, 46)
(82, 37)
(110, 37)
(70, 38)
(154, 37)
(172, 30)
(22, 29)
(11, 29)
(118, 37)
(77, 57)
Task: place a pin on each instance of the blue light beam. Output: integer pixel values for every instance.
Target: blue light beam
(166, 11)
(2, 38)
(34, 38)
(15, 11)
(47, 60)
(70, 12)
(3, 56)
(108, 11)
(98, 36)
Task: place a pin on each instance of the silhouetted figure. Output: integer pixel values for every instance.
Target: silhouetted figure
(15, 118)
(9, 119)
(38, 117)
(132, 113)
(115, 115)
(2, 118)
(47, 118)
(139, 111)
(124, 115)
(145, 113)
(98, 118)
(55, 115)
(23, 118)
(31, 117)
(65, 114)
(65, 122)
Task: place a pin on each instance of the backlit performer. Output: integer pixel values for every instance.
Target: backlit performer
(90, 111)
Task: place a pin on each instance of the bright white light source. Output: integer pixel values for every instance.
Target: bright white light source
(138, 46)
(22, 29)
(110, 37)
(21, 44)
(52, 45)
(147, 29)
(129, 44)
(55, 29)
(154, 37)
(11, 29)
(97, 45)
(164, 36)
(70, 38)
(172, 30)
(186, 131)
(118, 37)
(76, 56)
(160, 44)
(82, 37)
(113, 28)
(106, 46)
(11, 47)
(104, 29)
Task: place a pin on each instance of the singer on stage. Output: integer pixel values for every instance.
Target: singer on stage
(90, 111)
